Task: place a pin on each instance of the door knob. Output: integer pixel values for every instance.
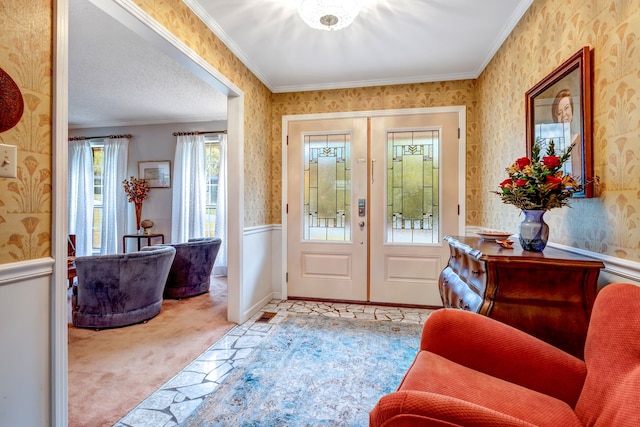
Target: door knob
(361, 224)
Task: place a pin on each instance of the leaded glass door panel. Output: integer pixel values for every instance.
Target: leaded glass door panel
(327, 173)
(404, 171)
(414, 205)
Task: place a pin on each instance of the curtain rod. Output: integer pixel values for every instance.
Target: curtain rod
(83, 138)
(202, 132)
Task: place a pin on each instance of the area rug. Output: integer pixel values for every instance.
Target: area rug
(313, 371)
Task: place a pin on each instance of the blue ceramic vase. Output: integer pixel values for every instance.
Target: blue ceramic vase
(534, 232)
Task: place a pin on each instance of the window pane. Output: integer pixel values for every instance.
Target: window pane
(98, 184)
(327, 187)
(412, 187)
(212, 162)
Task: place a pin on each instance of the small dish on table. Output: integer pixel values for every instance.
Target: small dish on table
(493, 234)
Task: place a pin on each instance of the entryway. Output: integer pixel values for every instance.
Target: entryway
(369, 198)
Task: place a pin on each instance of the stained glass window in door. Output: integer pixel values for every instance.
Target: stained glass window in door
(413, 214)
(327, 189)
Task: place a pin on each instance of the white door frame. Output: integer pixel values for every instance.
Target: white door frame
(130, 15)
(462, 120)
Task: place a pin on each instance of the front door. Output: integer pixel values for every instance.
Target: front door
(369, 200)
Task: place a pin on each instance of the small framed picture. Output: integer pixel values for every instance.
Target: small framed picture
(157, 173)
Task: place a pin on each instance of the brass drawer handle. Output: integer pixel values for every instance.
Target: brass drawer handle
(477, 272)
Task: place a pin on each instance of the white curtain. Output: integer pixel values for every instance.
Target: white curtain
(114, 199)
(189, 189)
(81, 195)
(220, 267)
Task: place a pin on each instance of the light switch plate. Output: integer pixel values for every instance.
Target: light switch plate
(8, 161)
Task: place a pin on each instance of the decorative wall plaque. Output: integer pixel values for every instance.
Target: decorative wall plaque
(11, 102)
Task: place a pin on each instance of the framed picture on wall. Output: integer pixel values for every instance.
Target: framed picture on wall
(559, 109)
(156, 172)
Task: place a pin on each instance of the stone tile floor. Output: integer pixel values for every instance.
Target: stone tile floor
(182, 395)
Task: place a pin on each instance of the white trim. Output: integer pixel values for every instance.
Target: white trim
(376, 82)
(60, 120)
(507, 29)
(216, 29)
(25, 270)
(619, 267)
(250, 311)
(235, 208)
(462, 117)
(260, 229)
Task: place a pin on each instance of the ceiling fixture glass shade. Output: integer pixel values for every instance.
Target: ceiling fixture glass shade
(329, 14)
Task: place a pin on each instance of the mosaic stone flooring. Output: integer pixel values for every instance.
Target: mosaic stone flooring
(180, 397)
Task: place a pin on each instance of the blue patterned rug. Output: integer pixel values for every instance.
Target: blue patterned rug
(313, 371)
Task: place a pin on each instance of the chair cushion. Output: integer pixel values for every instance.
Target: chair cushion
(611, 392)
(435, 374)
(190, 273)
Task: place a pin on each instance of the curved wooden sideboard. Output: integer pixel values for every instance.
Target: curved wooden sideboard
(546, 294)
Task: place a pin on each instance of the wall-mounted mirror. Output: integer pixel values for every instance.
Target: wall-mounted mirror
(559, 108)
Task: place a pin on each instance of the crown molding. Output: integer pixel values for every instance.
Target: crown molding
(379, 82)
(506, 30)
(211, 23)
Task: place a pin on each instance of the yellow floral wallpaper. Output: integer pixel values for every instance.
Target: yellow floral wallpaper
(176, 17)
(420, 95)
(549, 33)
(25, 202)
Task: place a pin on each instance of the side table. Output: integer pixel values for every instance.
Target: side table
(546, 294)
(140, 238)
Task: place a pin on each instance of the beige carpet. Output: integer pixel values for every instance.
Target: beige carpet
(111, 371)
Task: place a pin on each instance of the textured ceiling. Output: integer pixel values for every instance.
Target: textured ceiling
(116, 78)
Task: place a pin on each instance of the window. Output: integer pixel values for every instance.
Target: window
(212, 165)
(97, 149)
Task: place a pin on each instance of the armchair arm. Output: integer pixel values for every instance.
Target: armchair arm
(412, 408)
(500, 350)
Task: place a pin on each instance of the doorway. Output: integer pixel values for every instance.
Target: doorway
(133, 17)
(368, 200)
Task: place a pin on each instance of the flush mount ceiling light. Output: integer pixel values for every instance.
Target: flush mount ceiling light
(329, 14)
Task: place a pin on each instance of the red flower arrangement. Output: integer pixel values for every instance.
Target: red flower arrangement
(137, 189)
(539, 183)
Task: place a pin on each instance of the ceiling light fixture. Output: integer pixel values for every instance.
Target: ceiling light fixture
(329, 15)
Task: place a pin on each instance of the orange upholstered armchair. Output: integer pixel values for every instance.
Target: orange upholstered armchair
(475, 371)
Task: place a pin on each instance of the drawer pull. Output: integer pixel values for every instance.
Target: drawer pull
(477, 272)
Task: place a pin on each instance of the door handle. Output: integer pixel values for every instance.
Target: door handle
(361, 225)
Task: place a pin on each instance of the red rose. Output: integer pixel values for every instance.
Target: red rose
(506, 182)
(553, 182)
(522, 162)
(521, 182)
(551, 161)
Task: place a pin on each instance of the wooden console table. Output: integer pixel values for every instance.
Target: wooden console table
(140, 237)
(546, 294)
